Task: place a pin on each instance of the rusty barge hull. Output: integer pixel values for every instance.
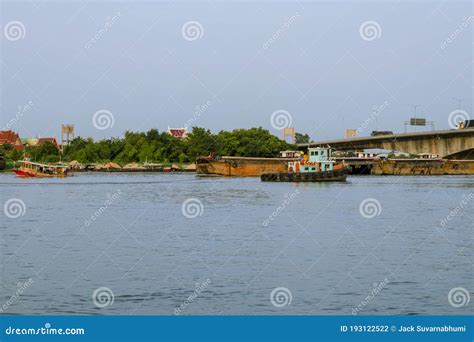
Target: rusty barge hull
(412, 167)
(242, 166)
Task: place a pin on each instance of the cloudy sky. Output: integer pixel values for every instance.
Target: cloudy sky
(322, 66)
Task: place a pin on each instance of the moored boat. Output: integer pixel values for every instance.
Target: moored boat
(316, 166)
(242, 166)
(30, 169)
(3, 162)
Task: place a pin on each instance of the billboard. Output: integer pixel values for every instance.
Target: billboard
(417, 122)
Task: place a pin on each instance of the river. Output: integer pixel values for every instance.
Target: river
(164, 244)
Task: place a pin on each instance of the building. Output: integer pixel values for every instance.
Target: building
(366, 154)
(37, 142)
(289, 132)
(290, 154)
(12, 138)
(53, 141)
(179, 133)
(427, 156)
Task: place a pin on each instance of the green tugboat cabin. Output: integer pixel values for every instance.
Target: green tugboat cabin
(315, 166)
(318, 159)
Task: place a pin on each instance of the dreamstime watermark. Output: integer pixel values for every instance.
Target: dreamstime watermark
(197, 291)
(103, 297)
(276, 35)
(370, 207)
(108, 202)
(458, 297)
(14, 208)
(199, 110)
(109, 22)
(192, 30)
(377, 110)
(460, 29)
(19, 291)
(375, 290)
(281, 119)
(21, 110)
(288, 198)
(14, 30)
(192, 208)
(46, 330)
(457, 117)
(460, 207)
(103, 119)
(281, 297)
(370, 30)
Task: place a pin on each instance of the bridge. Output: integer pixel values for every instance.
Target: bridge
(454, 144)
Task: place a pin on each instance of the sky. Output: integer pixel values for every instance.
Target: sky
(321, 67)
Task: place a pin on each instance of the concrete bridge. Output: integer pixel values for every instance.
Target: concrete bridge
(455, 144)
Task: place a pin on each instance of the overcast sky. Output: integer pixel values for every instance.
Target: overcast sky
(225, 65)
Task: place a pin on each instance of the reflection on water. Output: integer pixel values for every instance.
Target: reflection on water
(127, 233)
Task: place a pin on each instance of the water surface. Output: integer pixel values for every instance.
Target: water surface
(127, 232)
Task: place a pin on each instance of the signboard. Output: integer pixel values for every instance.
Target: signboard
(417, 122)
(350, 133)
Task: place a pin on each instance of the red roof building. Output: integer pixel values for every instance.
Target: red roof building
(179, 133)
(12, 138)
(53, 141)
(37, 142)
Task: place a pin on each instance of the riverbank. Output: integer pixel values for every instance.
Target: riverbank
(75, 166)
(251, 167)
(114, 167)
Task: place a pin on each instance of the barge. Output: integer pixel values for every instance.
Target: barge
(241, 166)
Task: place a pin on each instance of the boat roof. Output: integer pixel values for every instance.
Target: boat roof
(258, 158)
(319, 148)
(40, 164)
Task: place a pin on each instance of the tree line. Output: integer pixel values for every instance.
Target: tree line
(158, 147)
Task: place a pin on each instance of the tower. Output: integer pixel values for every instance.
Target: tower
(289, 132)
(67, 134)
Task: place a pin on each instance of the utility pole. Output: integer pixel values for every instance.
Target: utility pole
(459, 107)
(459, 102)
(375, 111)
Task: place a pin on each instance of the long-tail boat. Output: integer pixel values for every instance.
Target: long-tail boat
(28, 169)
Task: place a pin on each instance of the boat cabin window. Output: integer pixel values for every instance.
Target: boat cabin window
(306, 169)
(313, 168)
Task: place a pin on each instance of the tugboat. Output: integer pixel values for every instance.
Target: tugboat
(29, 169)
(316, 166)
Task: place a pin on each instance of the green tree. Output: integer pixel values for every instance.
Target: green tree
(46, 152)
(155, 146)
(200, 142)
(253, 142)
(302, 138)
